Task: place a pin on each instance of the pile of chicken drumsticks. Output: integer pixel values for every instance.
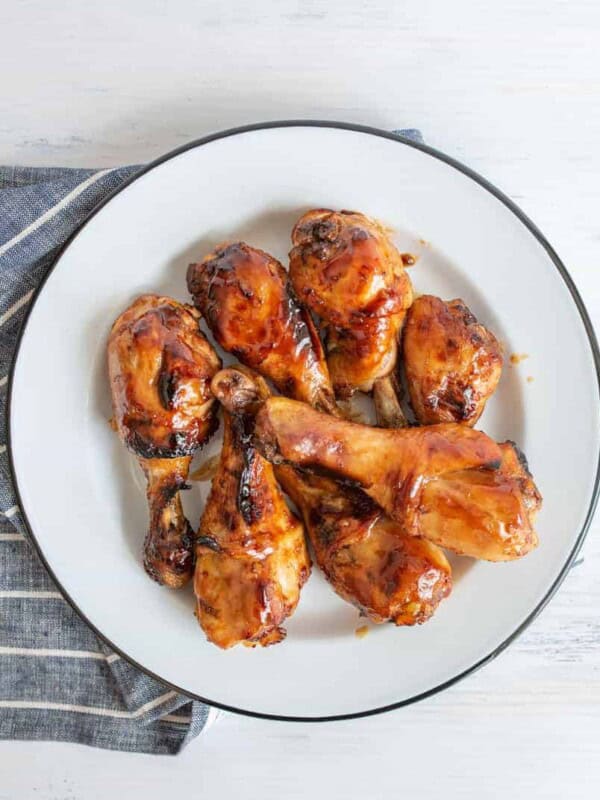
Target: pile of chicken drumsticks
(377, 503)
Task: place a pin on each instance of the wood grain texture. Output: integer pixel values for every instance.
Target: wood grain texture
(512, 89)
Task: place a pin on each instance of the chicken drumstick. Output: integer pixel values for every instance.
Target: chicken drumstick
(422, 477)
(160, 367)
(250, 306)
(452, 363)
(345, 268)
(251, 557)
(366, 556)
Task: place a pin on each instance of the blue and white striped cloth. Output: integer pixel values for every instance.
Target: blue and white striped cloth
(57, 679)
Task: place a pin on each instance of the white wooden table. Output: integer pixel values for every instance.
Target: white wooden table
(511, 88)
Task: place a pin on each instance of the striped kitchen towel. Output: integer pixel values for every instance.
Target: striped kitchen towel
(57, 679)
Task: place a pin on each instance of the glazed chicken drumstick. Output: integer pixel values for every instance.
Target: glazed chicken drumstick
(160, 368)
(251, 557)
(365, 556)
(452, 363)
(448, 483)
(344, 267)
(249, 304)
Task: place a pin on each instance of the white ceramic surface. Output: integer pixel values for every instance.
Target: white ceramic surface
(85, 506)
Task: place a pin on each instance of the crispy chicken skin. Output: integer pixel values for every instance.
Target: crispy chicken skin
(249, 304)
(160, 368)
(345, 268)
(452, 363)
(366, 556)
(251, 557)
(420, 476)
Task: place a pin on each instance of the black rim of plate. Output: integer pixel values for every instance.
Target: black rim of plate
(520, 216)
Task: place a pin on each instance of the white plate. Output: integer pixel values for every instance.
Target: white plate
(85, 506)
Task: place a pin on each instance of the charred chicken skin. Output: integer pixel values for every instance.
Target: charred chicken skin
(347, 271)
(160, 368)
(251, 557)
(365, 556)
(452, 363)
(448, 483)
(249, 304)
